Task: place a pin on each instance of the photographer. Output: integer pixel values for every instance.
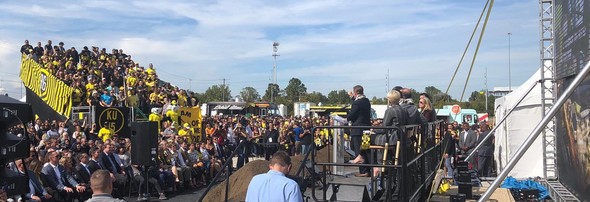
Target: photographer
(449, 143)
(244, 152)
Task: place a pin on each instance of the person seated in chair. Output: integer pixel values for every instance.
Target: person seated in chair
(63, 185)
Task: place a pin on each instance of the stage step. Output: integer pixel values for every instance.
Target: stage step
(558, 192)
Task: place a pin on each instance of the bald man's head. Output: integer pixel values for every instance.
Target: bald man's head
(406, 93)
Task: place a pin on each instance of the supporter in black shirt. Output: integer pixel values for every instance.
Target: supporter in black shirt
(173, 96)
(117, 78)
(26, 49)
(49, 47)
(61, 47)
(38, 50)
(74, 54)
(306, 137)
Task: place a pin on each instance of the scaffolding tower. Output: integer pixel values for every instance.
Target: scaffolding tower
(548, 95)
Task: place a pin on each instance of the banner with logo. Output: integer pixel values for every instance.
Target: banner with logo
(192, 116)
(116, 118)
(50, 90)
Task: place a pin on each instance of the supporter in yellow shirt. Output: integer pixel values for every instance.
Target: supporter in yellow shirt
(182, 100)
(172, 114)
(154, 98)
(156, 117)
(186, 132)
(151, 84)
(105, 133)
(151, 70)
(131, 80)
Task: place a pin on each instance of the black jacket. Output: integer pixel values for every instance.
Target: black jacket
(84, 176)
(360, 114)
(449, 143)
(271, 136)
(104, 161)
(94, 166)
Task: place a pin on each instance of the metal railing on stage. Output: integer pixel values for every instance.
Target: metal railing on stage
(417, 162)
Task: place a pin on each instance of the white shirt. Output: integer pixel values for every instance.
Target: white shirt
(231, 135)
(85, 167)
(57, 173)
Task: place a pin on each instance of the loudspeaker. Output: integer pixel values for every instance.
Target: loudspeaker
(144, 143)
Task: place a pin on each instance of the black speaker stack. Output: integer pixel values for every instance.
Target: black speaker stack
(144, 143)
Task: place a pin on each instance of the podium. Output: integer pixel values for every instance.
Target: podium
(338, 144)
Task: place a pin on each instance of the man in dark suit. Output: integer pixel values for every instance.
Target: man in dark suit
(107, 160)
(83, 169)
(485, 152)
(93, 163)
(271, 138)
(467, 141)
(360, 115)
(36, 190)
(63, 184)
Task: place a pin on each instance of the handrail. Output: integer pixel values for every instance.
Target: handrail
(403, 159)
(138, 111)
(533, 136)
(227, 163)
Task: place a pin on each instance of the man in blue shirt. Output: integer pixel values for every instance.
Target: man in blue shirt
(106, 100)
(297, 130)
(273, 185)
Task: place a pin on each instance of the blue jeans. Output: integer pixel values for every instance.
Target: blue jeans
(449, 166)
(304, 149)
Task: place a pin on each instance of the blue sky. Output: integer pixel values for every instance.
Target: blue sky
(329, 45)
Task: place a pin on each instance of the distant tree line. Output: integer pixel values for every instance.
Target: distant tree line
(296, 91)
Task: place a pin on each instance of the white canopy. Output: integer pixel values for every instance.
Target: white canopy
(518, 126)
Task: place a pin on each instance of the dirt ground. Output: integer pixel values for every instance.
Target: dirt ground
(240, 179)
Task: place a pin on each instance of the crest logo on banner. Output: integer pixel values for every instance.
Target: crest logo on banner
(116, 118)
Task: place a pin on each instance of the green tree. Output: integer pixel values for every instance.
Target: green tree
(315, 97)
(338, 97)
(477, 101)
(378, 101)
(294, 90)
(438, 98)
(249, 94)
(216, 93)
(272, 89)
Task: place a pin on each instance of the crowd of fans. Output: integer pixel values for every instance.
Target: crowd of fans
(63, 155)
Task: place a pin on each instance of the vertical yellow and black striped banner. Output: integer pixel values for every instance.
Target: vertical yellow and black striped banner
(55, 93)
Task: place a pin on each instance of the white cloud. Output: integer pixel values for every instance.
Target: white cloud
(327, 44)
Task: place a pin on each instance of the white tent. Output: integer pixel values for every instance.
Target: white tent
(518, 126)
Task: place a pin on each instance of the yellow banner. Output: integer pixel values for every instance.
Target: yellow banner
(192, 116)
(51, 90)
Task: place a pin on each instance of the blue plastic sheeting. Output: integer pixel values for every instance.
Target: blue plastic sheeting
(511, 183)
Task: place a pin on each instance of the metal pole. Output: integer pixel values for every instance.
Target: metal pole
(527, 143)
(501, 121)
(509, 76)
(227, 182)
(486, 84)
(275, 48)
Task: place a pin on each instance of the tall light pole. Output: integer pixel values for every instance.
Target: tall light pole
(509, 74)
(485, 76)
(275, 48)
